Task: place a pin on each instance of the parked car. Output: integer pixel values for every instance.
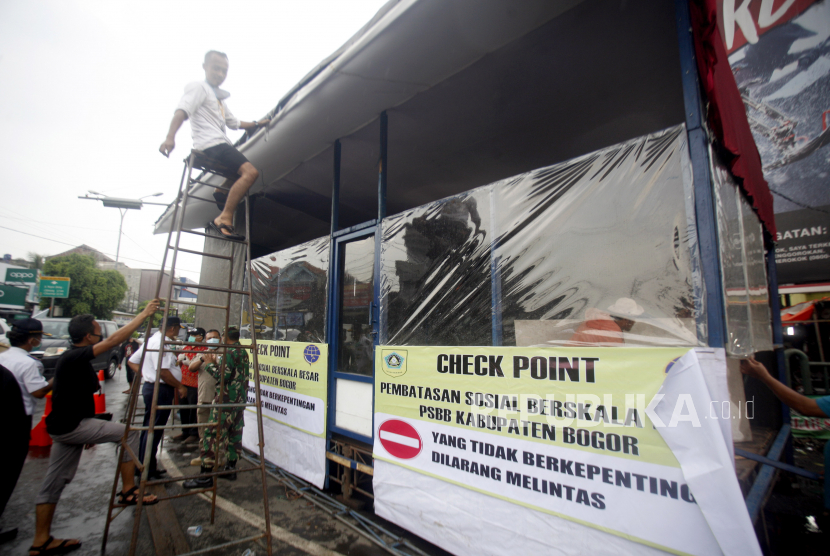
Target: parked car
(4, 340)
(52, 347)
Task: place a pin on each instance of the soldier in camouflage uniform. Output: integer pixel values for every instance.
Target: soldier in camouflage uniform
(237, 368)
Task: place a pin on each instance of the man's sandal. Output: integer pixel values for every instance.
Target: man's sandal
(217, 228)
(62, 548)
(130, 498)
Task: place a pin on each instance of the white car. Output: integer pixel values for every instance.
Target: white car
(4, 340)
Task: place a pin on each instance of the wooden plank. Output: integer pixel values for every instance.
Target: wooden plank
(168, 537)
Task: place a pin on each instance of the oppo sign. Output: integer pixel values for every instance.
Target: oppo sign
(21, 275)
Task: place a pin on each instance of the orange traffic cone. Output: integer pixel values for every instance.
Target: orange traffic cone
(100, 397)
(100, 402)
(39, 436)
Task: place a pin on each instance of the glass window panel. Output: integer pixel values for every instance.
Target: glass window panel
(601, 249)
(756, 273)
(578, 245)
(289, 294)
(435, 289)
(733, 267)
(356, 345)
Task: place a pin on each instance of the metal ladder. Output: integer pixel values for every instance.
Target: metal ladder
(196, 160)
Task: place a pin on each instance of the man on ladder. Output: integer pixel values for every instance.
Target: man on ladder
(203, 104)
(209, 116)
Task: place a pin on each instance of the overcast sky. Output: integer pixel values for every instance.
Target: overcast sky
(88, 91)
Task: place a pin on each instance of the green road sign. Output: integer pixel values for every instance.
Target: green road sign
(19, 275)
(54, 286)
(13, 295)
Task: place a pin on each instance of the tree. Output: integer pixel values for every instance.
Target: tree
(188, 314)
(91, 290)
(35, 261)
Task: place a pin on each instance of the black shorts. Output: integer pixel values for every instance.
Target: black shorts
(227, 156)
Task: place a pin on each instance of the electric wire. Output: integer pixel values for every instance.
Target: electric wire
(75, 245)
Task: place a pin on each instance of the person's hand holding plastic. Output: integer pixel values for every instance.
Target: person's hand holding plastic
(753, 368)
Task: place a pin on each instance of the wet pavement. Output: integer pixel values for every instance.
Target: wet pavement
(298, 527)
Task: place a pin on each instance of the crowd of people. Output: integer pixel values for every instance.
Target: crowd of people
(189, 375)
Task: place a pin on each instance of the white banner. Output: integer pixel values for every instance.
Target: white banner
(644, 500)
(578, 444)
(294, 409)
(293, 396)
(297, 452)
(464, 521)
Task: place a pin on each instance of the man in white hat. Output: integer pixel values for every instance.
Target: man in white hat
(603, 328)
(623, 312)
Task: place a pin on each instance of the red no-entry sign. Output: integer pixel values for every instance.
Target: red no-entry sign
(400, 439)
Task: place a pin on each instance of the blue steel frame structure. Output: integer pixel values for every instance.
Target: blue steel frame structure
(338, 240)
(706, 221)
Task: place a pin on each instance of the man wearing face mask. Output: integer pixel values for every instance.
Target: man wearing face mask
(226, 438)
(24, 336)
(206, 390)
(191, 380)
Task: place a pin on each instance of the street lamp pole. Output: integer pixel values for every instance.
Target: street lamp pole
(122, 205)
(123, 212)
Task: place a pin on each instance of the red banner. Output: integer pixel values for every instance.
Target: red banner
(743, 21)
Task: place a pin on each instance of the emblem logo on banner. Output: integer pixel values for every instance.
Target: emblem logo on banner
(311, 354)
(400, 439)
(394, 363)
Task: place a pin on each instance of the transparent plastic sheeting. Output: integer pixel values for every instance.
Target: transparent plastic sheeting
(743, 269)
(570, 254)
(289, 294)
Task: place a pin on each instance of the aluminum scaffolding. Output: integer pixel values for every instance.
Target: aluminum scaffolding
(196, 161)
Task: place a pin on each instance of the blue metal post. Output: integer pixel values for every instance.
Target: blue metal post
(335, 190)
(778, 342)
(382, 178)
(331, 309)
(495, 278)
(777, 332)
(705, 215)
(382, 171)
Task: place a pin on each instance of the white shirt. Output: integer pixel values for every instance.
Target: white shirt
(148, 371)
(208, 114)
(29, 374)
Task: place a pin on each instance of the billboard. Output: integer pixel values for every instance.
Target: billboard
(13, 296)
(21, 275)
(802, 250)
(780, 55)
